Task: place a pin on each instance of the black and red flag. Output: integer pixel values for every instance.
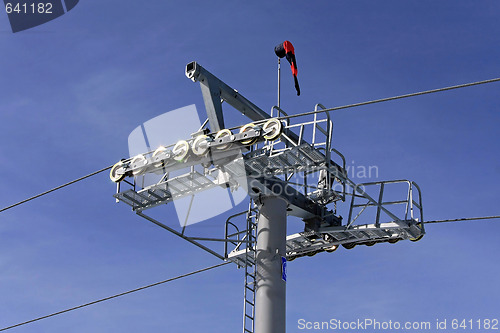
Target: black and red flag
(286, 49)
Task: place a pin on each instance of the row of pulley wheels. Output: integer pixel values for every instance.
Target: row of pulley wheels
(349, 246)
(199, 147)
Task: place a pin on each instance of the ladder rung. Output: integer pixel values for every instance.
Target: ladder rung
(250, 274)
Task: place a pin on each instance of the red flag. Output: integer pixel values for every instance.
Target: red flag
(286, 49)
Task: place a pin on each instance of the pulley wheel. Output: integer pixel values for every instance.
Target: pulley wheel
(349, 246)
(157, 152)
(332, 248)
(275, 127)
(222, 134)
(138, 163)
(312, 254)
(200, 145)
(113, 175)
(247, 128)
(416, 239)
(181, 150)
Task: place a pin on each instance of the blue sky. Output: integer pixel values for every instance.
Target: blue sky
(73, 89)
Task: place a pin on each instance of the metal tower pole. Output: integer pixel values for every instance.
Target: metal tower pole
(270, 294)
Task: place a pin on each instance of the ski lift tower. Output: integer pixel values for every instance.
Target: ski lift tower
(288, 169)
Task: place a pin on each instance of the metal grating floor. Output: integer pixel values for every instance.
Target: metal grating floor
(305, 243)
(166, 191)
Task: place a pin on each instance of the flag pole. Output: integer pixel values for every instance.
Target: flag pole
(279, 82)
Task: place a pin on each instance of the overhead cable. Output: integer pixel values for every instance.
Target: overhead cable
(426, 92)
(56, 188)
(114, 296)
(465, 219)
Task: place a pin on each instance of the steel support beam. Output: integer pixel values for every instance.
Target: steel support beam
(197, 73)
(214, 89)
(213, 104)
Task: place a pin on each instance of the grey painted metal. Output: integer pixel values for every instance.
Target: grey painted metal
(380, 196)
(224, 240)
(270, 168)
(254, 166)
(304, 204)
(213, 105)
(329, 238)
(250, 271)
(382, 206)
(197, 73)
(237, 233)
(279, 82)
(270, 294)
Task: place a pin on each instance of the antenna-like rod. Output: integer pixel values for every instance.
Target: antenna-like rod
(279, 82)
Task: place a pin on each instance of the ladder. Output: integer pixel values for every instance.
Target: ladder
(250, 270)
